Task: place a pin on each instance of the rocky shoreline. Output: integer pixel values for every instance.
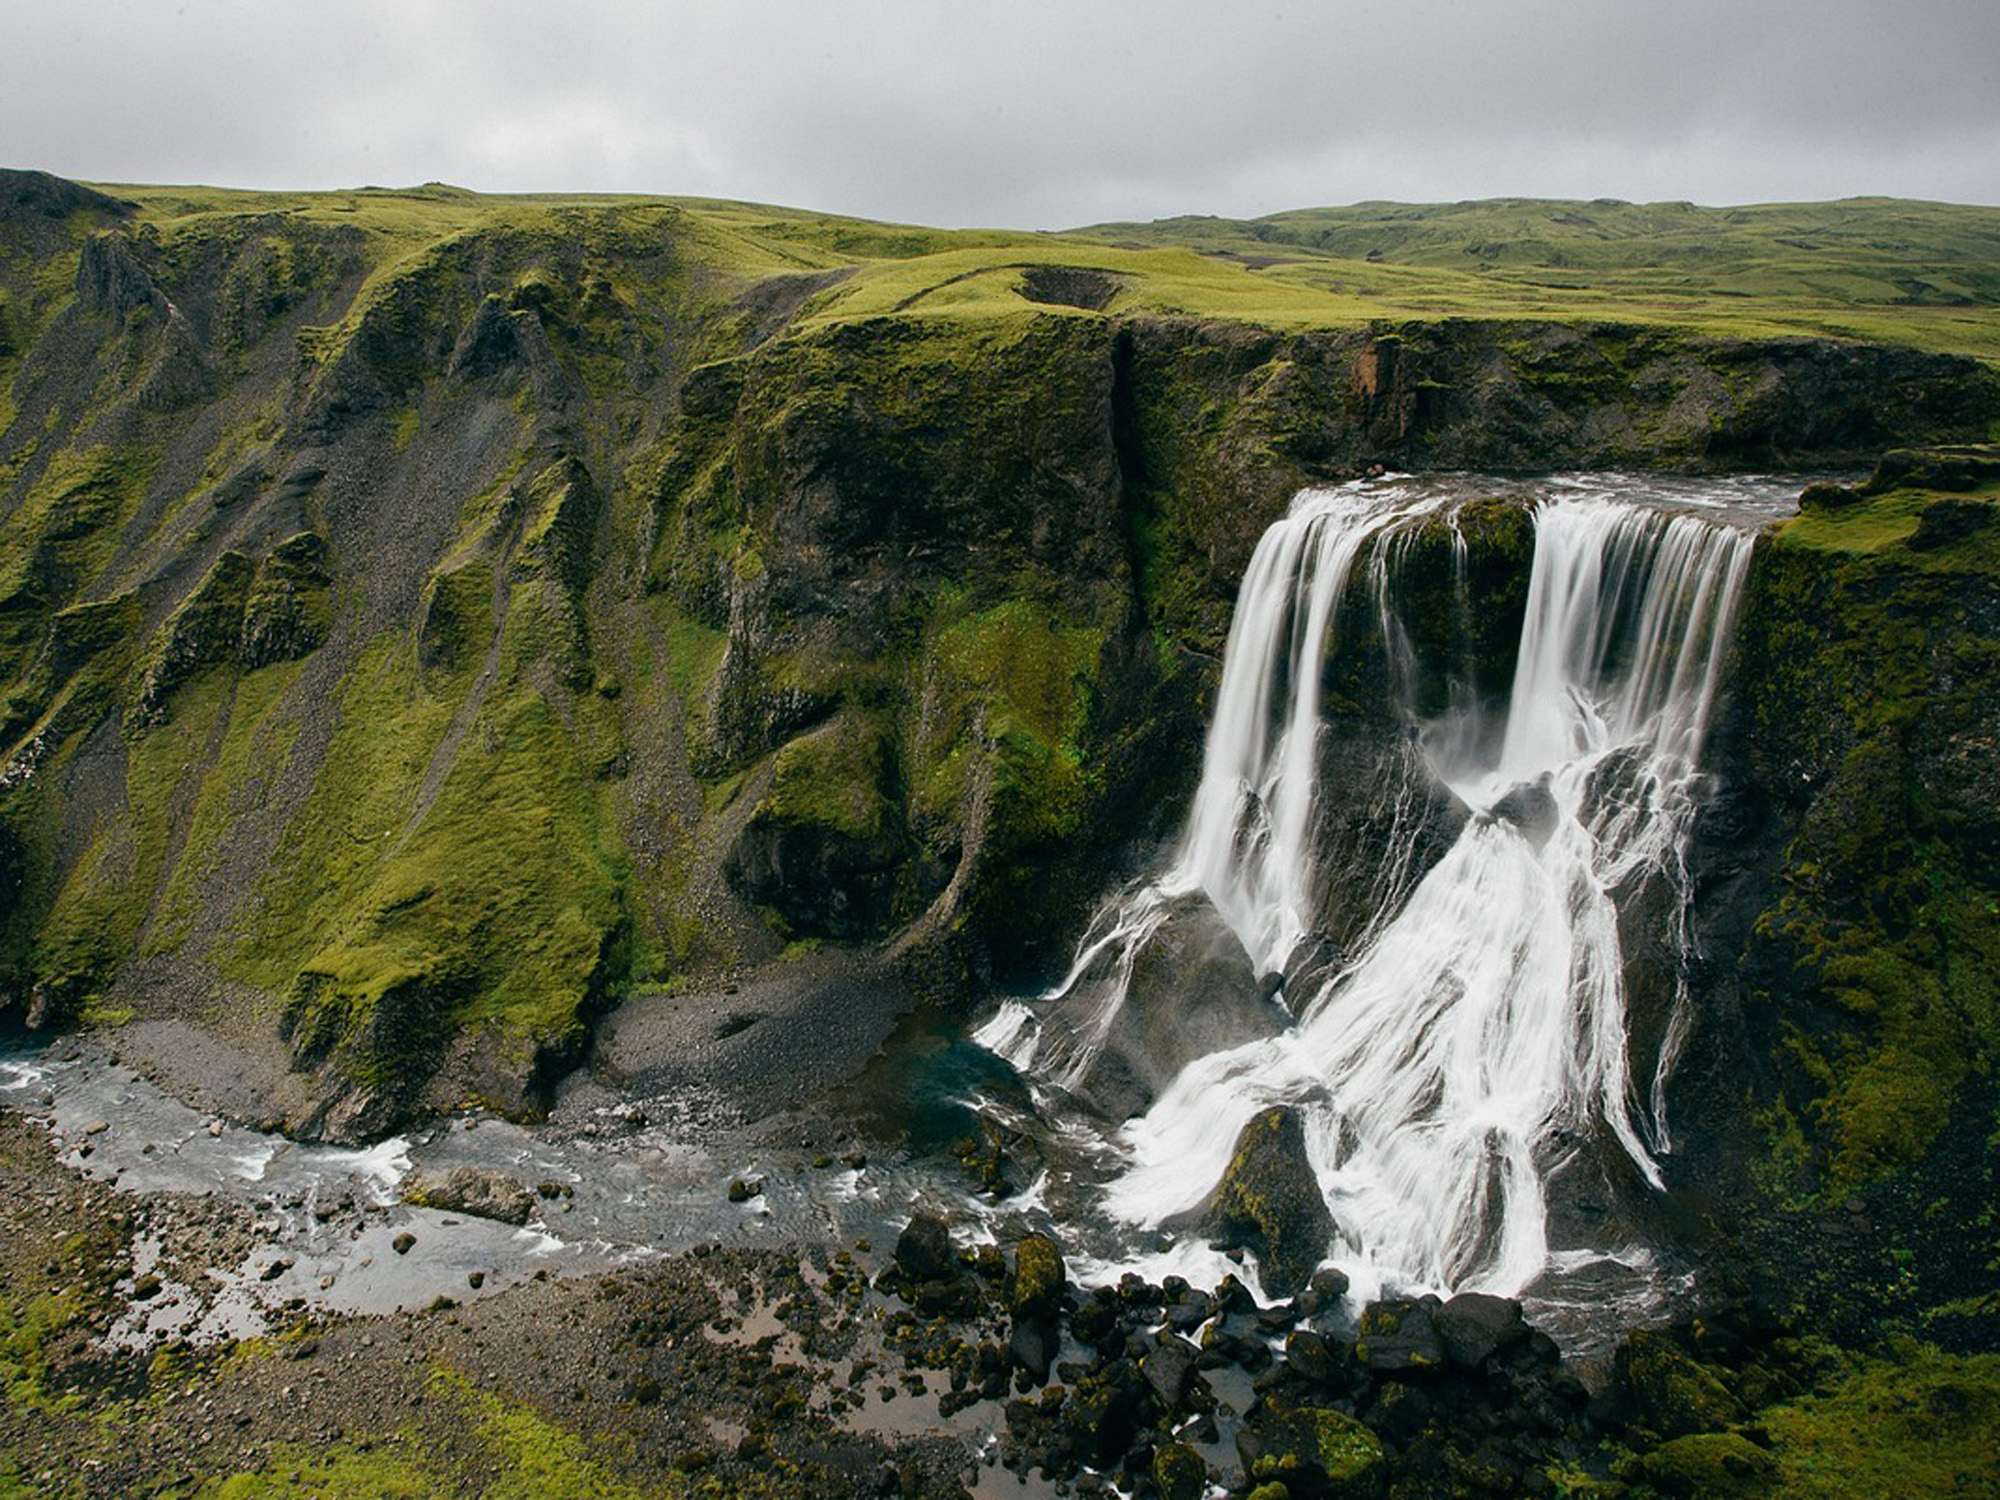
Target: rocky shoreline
(936, 1367)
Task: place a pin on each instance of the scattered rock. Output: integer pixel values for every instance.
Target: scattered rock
(401, 1243)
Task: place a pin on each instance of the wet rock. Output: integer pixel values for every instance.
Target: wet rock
(1318, 1361)
(1530, 806)
(403, 1242)
(1039, 1279)
(1473, 1326)
(1269, 1202)
(741, 1190)
(1192, 991)
(1190, 1310)
(1001, 1161)
(924, 1251)
(475, 1191)
(1033, 1347)
(1100, 1416)
(1313, 1450)
(1323, 1295)
(1399, 1337)
(1179, 1473)
(1169, 1368)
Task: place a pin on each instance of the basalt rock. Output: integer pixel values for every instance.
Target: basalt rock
(1270, 1202)
(1400, 1337)
(1191, 992)
(1474, 1326)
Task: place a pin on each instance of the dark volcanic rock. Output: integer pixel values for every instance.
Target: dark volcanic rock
(1192, 992)
(1398, 1337)
(924, 1251)
(1313, 1450)
(1473, 1326)
(1270, 1201)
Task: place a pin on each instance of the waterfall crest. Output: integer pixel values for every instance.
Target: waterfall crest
(1477, 1036)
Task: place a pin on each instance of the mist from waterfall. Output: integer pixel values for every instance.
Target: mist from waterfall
(1476, 1038)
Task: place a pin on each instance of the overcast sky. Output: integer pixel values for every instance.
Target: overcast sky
(1031, 113)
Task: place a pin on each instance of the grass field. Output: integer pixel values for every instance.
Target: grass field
(1882, 270)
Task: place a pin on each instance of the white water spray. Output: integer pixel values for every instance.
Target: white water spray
(1479, 1033)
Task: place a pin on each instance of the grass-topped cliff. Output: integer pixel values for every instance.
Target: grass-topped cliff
(426, 617)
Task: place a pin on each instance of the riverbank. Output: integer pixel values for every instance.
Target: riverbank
(926, 1367)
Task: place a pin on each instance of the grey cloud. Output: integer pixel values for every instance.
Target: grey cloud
(1035, 113)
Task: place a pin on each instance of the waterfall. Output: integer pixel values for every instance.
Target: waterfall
(1477, 1035)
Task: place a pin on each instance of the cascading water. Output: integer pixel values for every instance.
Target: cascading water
(1476, 1039)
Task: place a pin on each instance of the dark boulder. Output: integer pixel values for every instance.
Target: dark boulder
(1530, 807)
(1179, 1473)
(1473, 1326)
(1033, 1345)
(1313, 1450)
(1399, 1337)
(1269, 1201)
(1034, 1299)
(924, 1251)
(1039, 1279)
(1192, 991)
(1169, 1368)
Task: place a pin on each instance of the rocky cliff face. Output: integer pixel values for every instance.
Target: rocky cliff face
(425, 622)
(1839, 1088)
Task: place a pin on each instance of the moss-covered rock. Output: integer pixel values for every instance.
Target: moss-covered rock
(1269, 1201)
(1710, 1466)
(1315, 1451)
(1672, 1393)
(1039, 1280)
(1179, 1472)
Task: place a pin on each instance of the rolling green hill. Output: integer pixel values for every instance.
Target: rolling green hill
(1926, 274)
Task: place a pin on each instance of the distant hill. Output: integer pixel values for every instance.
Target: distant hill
(1925, 272)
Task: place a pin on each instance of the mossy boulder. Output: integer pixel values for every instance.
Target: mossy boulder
(1269, 1201)
(1399, 1336)
(1314, 1452)
(1710, 1466)
(1190, 991)
(1179, 1472)
(1671, 1392)
(1039, 1280)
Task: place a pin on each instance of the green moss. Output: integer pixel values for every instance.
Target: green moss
(418, 891)
(1007, 694)
(204, 631)
(1675, 1394)
(1915, 1423)
(1038, 1278)
(1318, 1449)
(1710, 1466)
(1871, 686)
(63, 531)
(518, 1454)
(835, 778)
